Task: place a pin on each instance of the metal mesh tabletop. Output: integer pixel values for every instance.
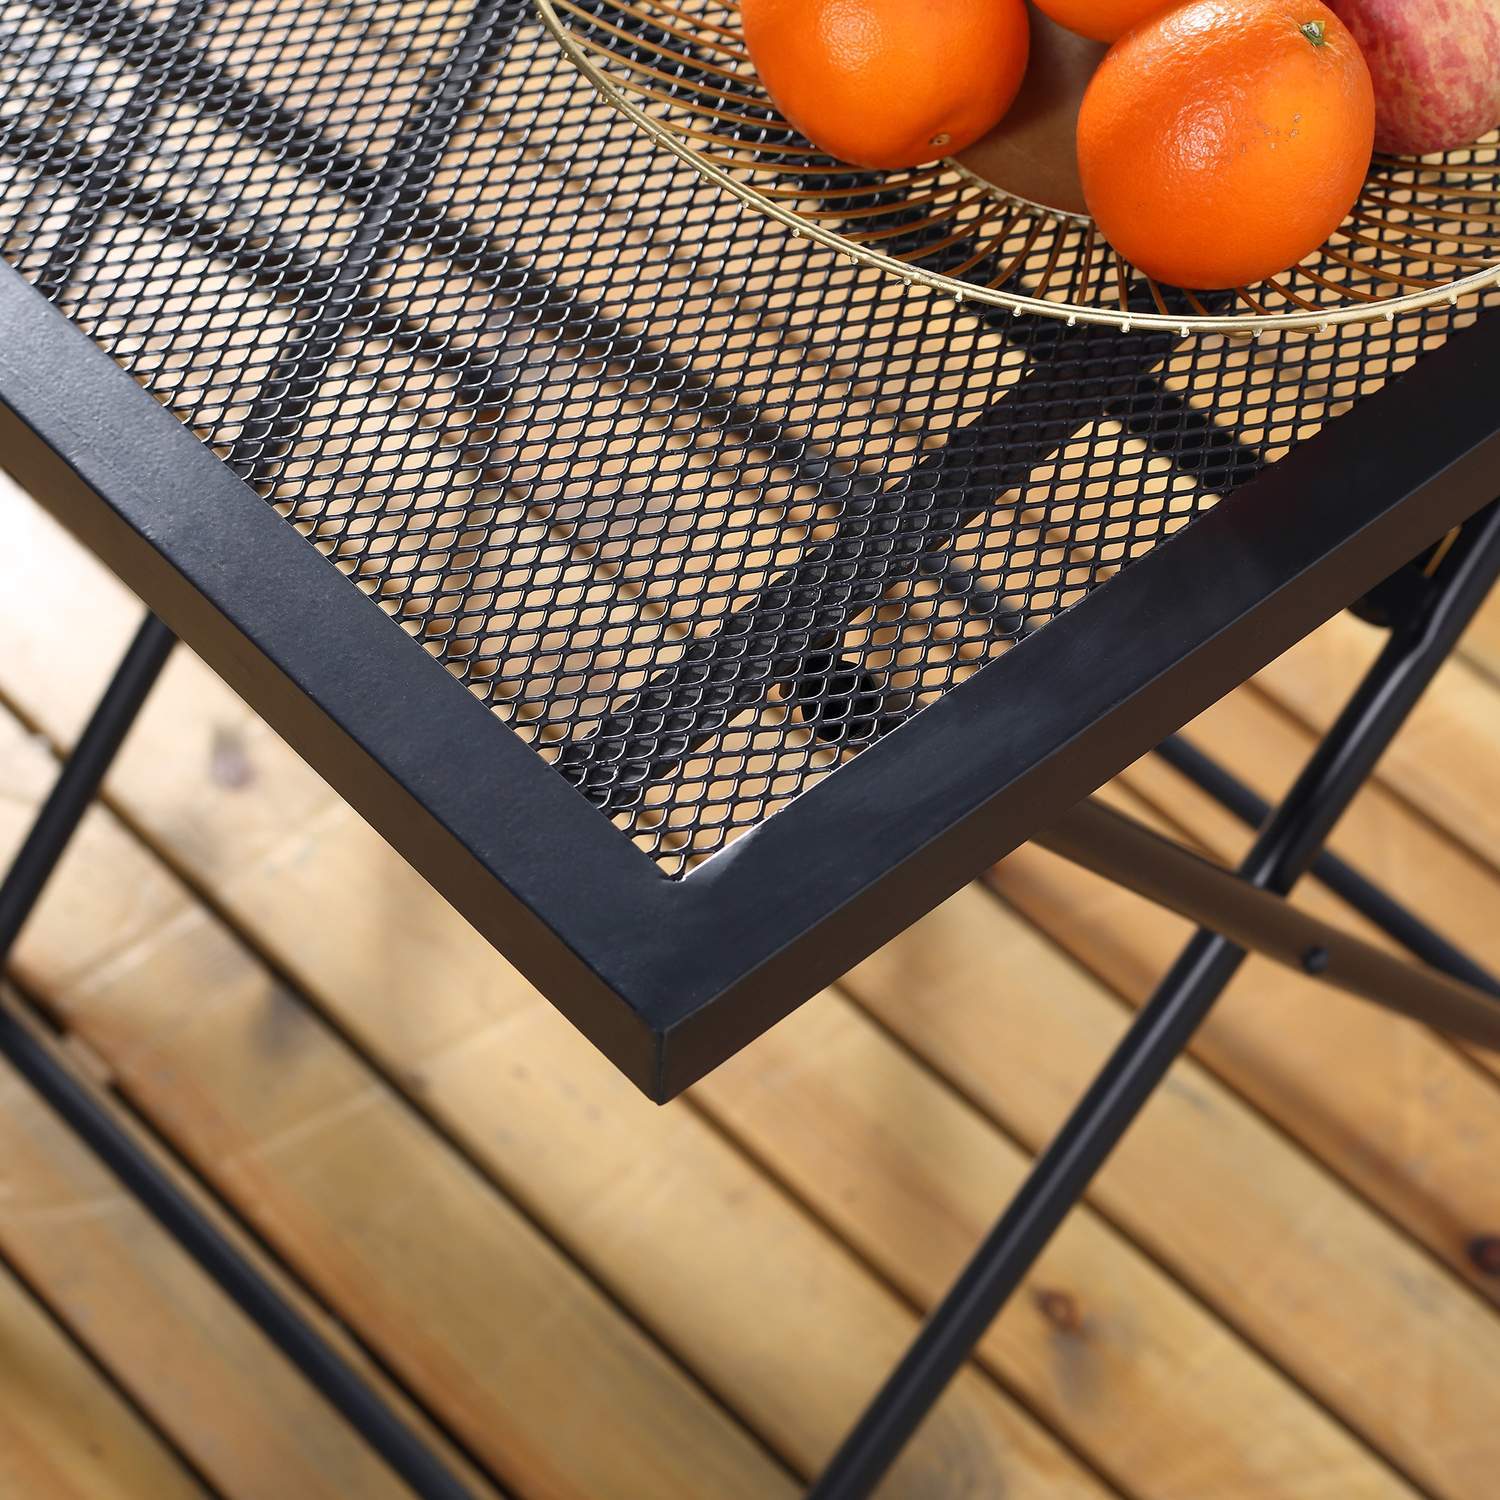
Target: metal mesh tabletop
(696, 507)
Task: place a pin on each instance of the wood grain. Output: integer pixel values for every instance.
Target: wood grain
(1441, 761)
(65, 1432)
(574, 1154)
(1099, 1338)
(243, 1416)
(572, 1158)
(453, 1286)
(1393, 1110)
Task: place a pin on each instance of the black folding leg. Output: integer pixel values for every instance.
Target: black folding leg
(76, 787)
(1284, 850)
(79, 780)
(1288, 845)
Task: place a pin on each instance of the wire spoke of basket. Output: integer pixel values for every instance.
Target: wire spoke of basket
(754, 107)
(721, 28)
(1022, 255)
(880, 185)
(916, 226)
(809, 158)
(1156, 296)
(991, 244)
(1425, 211)
(768, 121)
(727, 158)
(1433, 172)
(1090, 250)
(1256, 306)
(1432, 190)
(753, 110)
(727, 40)
(1447, 165)
(1446, 237)
(945, 188)
(1049, 270)
(1367, 268)
(1246, 330)
(995, 207)
(1295, 298)
(1339, 290)
(591, 18)
(1422, 254)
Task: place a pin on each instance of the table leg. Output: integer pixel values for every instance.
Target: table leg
(79, 780)
(1285, 849)
(97, 1126)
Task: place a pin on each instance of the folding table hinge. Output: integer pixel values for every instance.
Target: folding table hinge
(1397, 600)
(1401, 598)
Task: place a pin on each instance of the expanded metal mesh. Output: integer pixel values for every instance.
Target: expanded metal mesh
(699, 509)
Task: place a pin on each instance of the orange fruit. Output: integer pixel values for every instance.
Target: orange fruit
(889, 83)
(1103, 20)
(1223, 141)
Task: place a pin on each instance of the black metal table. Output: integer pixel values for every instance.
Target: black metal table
(692, 609)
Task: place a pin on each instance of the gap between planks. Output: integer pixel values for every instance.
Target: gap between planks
(58, 1168)
(975, 1418)
(68, 1430)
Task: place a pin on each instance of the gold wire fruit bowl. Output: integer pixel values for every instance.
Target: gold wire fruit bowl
(1004, 224)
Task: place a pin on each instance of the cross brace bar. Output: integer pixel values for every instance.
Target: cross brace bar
(1347, 883)
(1132, 855)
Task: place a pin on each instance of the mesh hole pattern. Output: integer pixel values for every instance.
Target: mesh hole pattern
(698, 508)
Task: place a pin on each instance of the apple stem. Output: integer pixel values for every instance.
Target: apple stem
(1315, 31)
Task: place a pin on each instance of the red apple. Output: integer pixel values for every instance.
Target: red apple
(1436, 66)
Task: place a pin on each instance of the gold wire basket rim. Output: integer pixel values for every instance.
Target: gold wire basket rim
(1247, 324)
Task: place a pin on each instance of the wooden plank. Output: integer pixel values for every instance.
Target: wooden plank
(1389, 840)
(1099, 1338)
(308, 855)
(1390, 1108)
(222, 756)
(1342, 1301)
(675, 1216)
(1480, 646)
(480, 1025)
(672, 1218)
(480, 1070)
(207, 1377)
(444, 1278)
(1443, 761)
(65, 1432)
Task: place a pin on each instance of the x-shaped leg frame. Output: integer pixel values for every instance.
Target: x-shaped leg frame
(1236, 912)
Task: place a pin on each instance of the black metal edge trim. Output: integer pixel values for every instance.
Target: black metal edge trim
(868, 851)
(447, 783)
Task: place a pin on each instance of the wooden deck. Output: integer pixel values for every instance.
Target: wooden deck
(1272, 1292)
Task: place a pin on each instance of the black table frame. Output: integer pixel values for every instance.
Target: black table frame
(670, 977)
